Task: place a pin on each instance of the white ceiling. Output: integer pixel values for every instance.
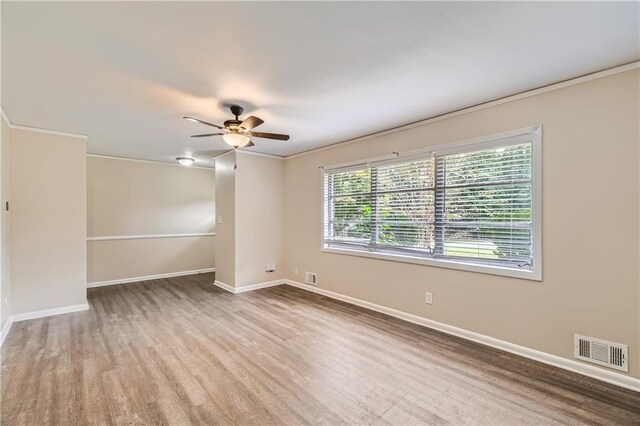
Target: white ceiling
(124, 73)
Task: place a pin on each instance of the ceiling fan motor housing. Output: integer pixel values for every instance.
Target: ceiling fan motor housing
(232, 124)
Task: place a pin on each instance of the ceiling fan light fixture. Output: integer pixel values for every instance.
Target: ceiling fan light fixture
(237, 133)
(185, 161)
(236, 140)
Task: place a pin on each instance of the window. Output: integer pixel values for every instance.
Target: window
(467, 206)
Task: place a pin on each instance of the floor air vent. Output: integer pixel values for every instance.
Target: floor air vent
(601, 352)
(311, 278)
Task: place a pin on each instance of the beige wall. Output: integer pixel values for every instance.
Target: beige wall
(590, 226)
(259, 218)
(122, 259)
(5, 224)
(225, 214)
(250, 197)
(134, 198)
(48, 221)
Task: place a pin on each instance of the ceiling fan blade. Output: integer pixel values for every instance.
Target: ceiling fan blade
(204, 135)
(196, 120)
(249, 144)
(269, 136)
(251, 122)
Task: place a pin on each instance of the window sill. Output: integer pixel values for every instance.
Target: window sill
(441, 263)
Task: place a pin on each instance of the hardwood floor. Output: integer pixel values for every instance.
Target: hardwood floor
(181, 351)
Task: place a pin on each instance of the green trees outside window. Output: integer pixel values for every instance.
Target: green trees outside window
(475, 204)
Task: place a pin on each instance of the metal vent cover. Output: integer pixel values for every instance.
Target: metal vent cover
(601, 352)
(311, 278)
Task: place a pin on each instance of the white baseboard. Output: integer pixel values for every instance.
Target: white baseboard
(250, 287)
(258, 286)
(546, 358)
(49, 312)
(148, 277)
(5, 330)
(224, 286)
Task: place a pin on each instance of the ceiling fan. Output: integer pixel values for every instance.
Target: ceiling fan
(236, 132)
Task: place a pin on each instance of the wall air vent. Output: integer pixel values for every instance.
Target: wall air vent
(601, 352)
(311, 278)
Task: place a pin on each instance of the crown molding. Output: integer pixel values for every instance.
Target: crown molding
(5, 118)
(258, 154)
(139, 160)
(529, 93)
(40, 130)
(49, 132)
(262, 154)
(516, 97)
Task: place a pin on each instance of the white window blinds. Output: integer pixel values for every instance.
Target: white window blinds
(474, 204)
(486, 205)
(386, 207)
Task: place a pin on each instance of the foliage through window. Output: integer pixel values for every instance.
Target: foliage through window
(472, 204)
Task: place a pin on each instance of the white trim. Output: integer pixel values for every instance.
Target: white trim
(139, 160)
(244, 151)
(258, 286)
(5, 329)
(485, 105)
(39, 130)
(534, 133)
(148, 277)
(49, 132)
(6, 119)
(536, 202)
(440, 263)
(546, 358)
(229, 151)
(364, 162)
(224, 286)
(245, 288)
(453, 147)
(611, 377)
(7, 325)
(150, 236)
(473, 108)
(50, 312)
(261, 154)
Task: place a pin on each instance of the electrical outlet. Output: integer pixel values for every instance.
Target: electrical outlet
(295, 271)
(270, 267)
(219, 219)
(428, 298)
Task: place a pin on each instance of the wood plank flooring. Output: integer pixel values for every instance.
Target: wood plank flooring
(181, 351)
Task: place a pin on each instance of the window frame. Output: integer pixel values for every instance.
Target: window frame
(484, 142)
